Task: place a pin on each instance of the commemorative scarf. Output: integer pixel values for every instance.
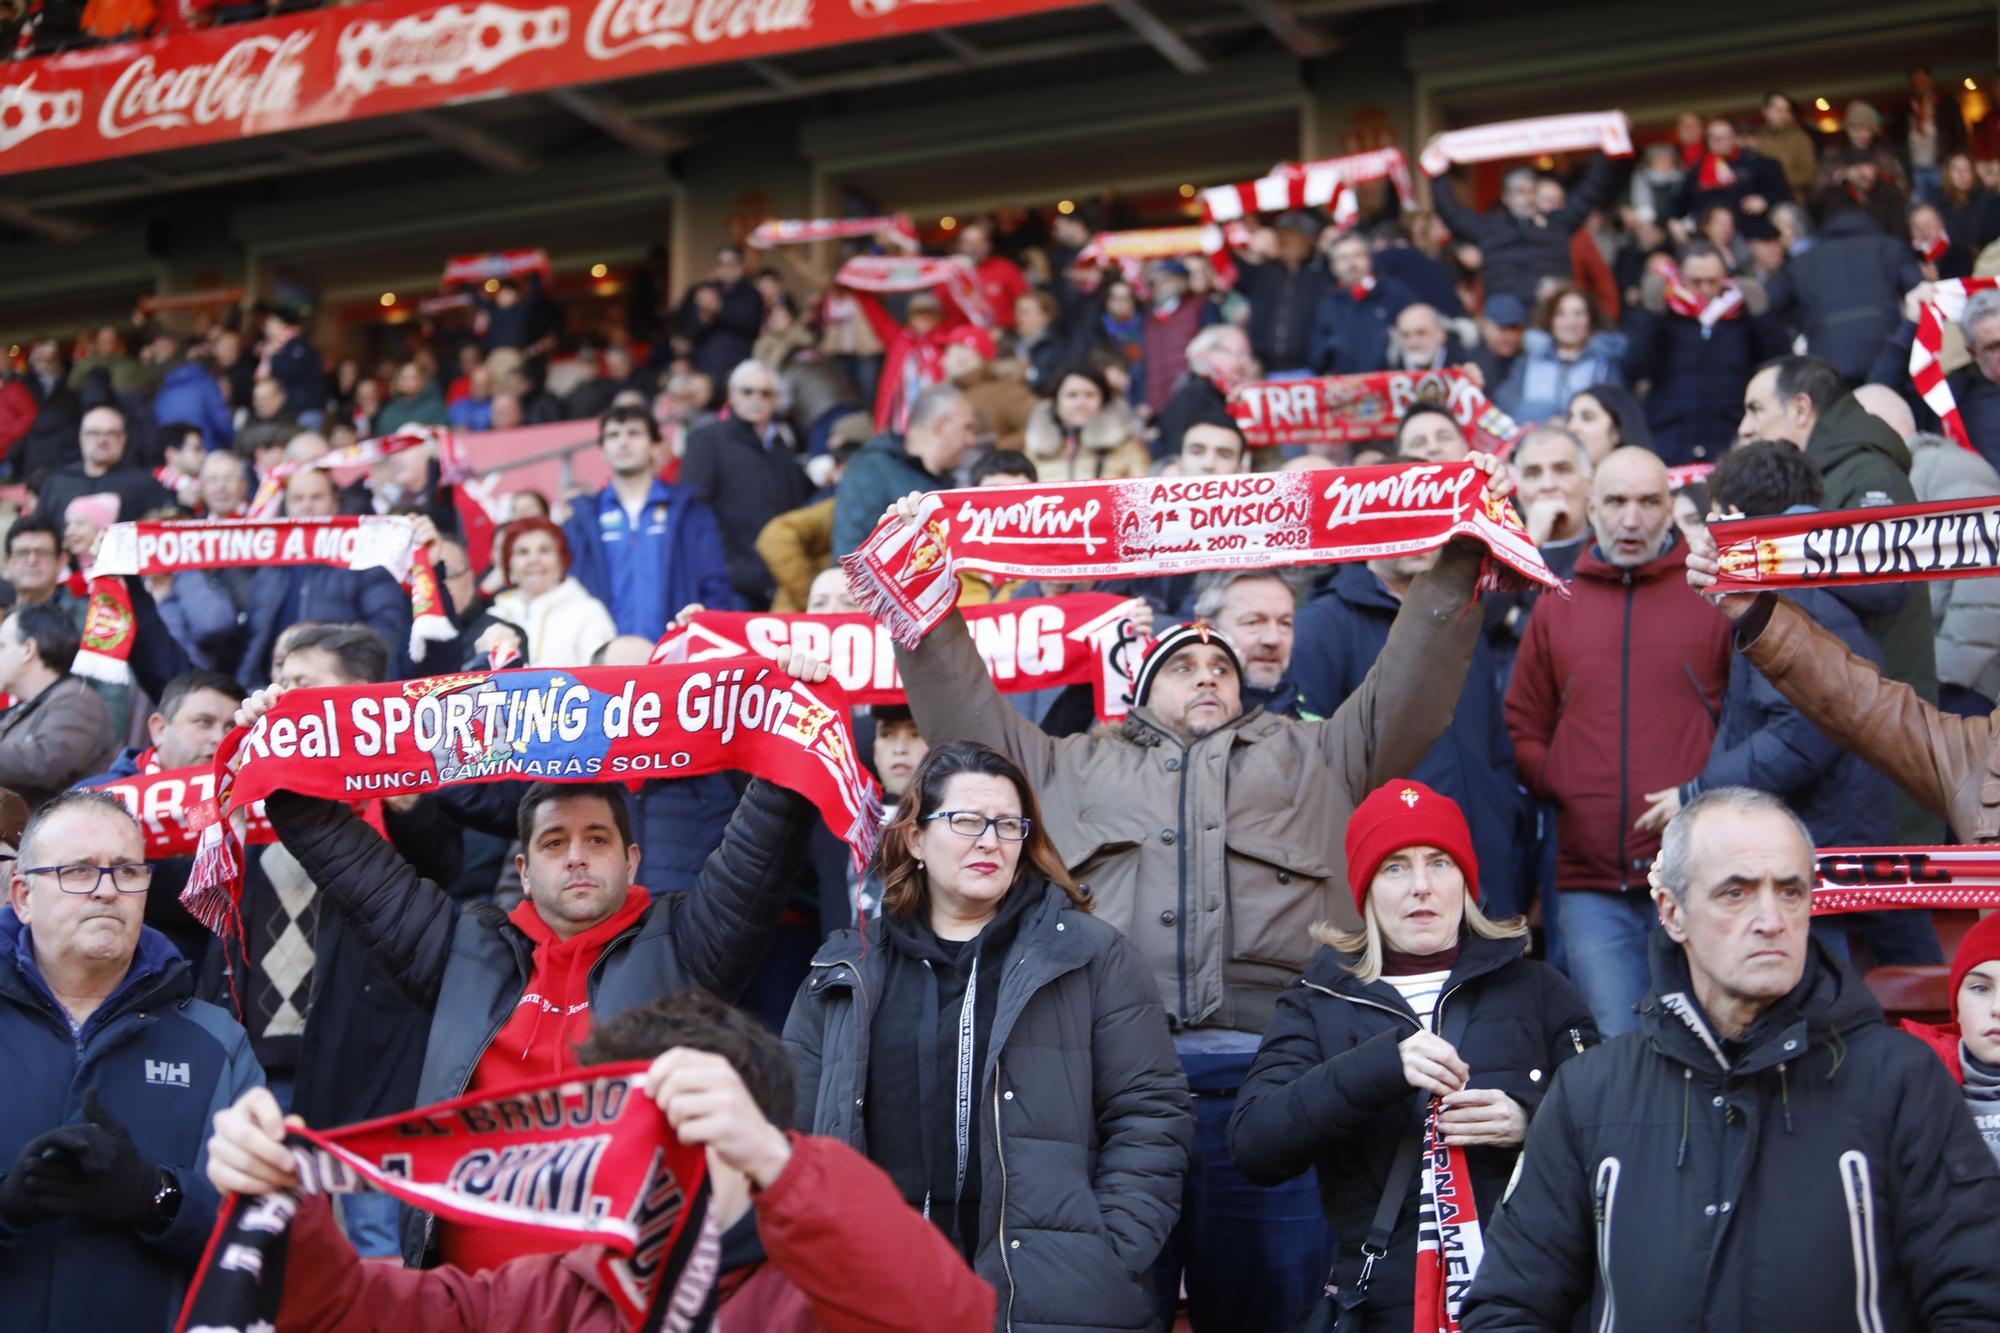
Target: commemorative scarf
(1343, 409)
(907, 575)
(1291, 185)
(800, 231)
(887, 273)
(1607, 131)
(1031, 644)
(495, 264)
(1870, 879)
(386, 542)
(1942, 539)
(593, 724)
(1449, 1244)
(1728, 303)
(1947, 305)
(582, 1157)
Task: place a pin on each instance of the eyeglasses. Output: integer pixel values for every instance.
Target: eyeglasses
(972, 824)
(131, 877)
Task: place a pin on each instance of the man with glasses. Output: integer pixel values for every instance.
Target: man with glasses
(58, 730)
(114, 1073)
(742, 467)
(104, 466)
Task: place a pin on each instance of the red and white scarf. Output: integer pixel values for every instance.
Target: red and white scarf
(173, 806)
(386, 542)
(591, 724)
(109, 629)
(1680, 298)
(1345, 409)
(1936, 250)
(907, 575)
(1947, 305)
(1685, 474)
(453, 468)
(1449, 1243)
(496, 264)
(886, 273)
(1944, 539)
(1291, 185)
(1031, 644)
(801, 231)
(1870, 879)
(578, 1158)
(1607, 131)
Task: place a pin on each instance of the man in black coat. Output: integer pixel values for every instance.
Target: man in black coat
(1765, 1152)
(1285, 294)
(1846, 293)
(471, 970)
(719, 320)
(742, 467)
(1740, 179)
(1520, 245)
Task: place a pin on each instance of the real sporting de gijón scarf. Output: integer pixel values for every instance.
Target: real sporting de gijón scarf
(593, 724)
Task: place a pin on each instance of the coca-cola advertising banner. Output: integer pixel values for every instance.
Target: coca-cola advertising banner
(343, 64)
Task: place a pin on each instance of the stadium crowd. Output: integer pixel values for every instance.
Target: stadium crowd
(1127, 1022)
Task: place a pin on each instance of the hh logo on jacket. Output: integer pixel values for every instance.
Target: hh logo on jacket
(168, 1075)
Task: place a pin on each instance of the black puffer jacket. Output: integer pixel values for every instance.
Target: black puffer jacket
(1828, 1179)
(1085, 1124)
(468, 969)
(1518, 253)
(1327, 1091)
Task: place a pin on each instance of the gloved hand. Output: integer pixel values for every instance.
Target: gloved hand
(19, 1208)
(95, 1172)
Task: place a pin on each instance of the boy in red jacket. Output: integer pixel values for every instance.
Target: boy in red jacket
(841, 1251)
(1970, 1048)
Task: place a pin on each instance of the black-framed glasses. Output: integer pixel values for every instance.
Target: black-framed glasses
(972, 824)
(129, 877)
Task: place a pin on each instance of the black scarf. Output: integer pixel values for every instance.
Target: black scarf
(926, 1064)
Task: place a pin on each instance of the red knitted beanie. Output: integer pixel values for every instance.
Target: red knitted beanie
(1400, 814)
(1980, 945)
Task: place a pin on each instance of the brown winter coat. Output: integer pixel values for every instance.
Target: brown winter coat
(1001, 405)
(795, 546)
(1216, 858)
(1109, 449)
(1947, 763)
(60, 736)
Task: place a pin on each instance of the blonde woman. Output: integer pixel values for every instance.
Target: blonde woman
(1358, 1048)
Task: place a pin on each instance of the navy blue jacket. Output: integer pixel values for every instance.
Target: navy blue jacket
(164, 1063)
(1351, 337)
(190, 394)
(1698, 376)
(1846, 293)
(331, 596)
(1283, 307)
(297, 369)
(694, 570)
(1763, 741)
(1340, 633)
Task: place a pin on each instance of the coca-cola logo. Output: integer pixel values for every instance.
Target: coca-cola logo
(619, 27)
(256, 79)
(24, 112)
(443, 46)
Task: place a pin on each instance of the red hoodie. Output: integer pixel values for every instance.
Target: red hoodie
(1615, 694)
(846, 1255)
(551, 1018)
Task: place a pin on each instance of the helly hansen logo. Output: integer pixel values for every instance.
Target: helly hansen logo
(168, 1075)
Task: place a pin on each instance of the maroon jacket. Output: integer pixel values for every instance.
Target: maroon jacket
(846, 1255)
(1615, 694)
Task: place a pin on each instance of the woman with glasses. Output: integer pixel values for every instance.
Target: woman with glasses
(1002, 1054)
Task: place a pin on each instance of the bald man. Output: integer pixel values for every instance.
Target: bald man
(1420, 340)
(1615, 695)
(1887, 406)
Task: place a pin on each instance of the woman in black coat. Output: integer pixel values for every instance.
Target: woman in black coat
(1002, 1054)
(1428, 1005)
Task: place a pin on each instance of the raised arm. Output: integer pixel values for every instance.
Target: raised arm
(723, 927)
(1406, 700)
